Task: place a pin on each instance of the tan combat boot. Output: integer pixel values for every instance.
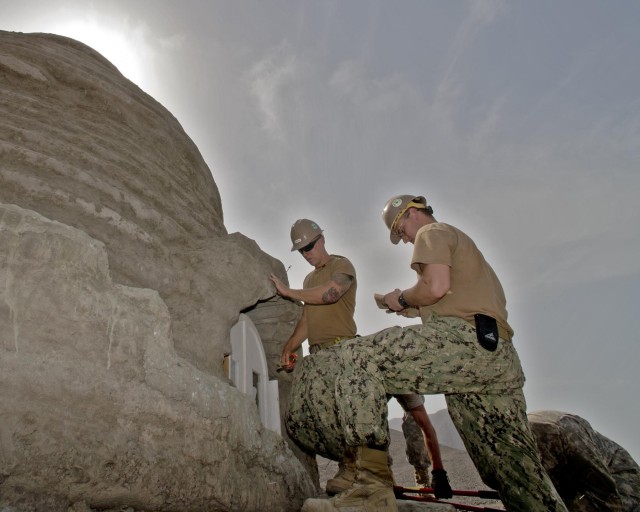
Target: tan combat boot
(372, 490)
(345, 476)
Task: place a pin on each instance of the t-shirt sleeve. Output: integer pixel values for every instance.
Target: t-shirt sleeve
(433, 245)
(343, 266)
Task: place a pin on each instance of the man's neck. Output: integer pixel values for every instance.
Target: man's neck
(325, 259)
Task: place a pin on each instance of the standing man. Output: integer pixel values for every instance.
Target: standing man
(329, 297)
(463, 349)
(420, 434)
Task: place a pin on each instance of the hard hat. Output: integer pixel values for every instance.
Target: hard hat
(303, 232)
(395, 208)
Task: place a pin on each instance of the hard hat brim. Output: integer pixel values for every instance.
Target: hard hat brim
(303, 243)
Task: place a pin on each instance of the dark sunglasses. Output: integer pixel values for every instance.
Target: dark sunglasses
(309, 246)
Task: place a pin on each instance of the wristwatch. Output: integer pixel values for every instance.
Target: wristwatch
(402, 302)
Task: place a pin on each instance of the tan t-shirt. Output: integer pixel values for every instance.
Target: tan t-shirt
(326, 322)
(475, 288)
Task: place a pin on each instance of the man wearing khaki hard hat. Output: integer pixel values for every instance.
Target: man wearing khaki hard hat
(324, 326)
(328, 293)
(329, 297)
(463, 349)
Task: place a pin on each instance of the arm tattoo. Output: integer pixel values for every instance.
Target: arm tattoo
(330, 296)
(342, 284)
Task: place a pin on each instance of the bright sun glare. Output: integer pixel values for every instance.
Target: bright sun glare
(126, 51)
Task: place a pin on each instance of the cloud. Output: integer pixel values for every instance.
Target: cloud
(270, 80)
(481, 14)
(349, 80)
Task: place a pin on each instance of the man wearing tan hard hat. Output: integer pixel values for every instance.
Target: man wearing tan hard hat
(329, 297)
(328, 293)
(463, 349)
(333, 275)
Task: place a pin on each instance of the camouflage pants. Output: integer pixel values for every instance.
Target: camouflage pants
(339, 398)
(416, 451)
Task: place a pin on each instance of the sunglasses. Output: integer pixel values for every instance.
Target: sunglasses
(400, 230)
(309, 246)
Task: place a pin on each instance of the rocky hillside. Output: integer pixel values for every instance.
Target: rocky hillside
(120, 285)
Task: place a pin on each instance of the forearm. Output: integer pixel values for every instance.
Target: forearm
(420, 295)
(326, 293)
(300, 333)
(433, 284)
(293, 343)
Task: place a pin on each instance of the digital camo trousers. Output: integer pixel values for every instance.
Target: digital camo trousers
(415, 446)
(339, 398)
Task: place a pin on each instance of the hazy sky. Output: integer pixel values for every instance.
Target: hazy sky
(518, 120)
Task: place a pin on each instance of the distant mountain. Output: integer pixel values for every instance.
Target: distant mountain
(447, 433)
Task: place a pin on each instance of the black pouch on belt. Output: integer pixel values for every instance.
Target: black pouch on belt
(487, 331)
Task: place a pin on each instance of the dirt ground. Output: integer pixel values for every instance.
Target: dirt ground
(462, 473)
